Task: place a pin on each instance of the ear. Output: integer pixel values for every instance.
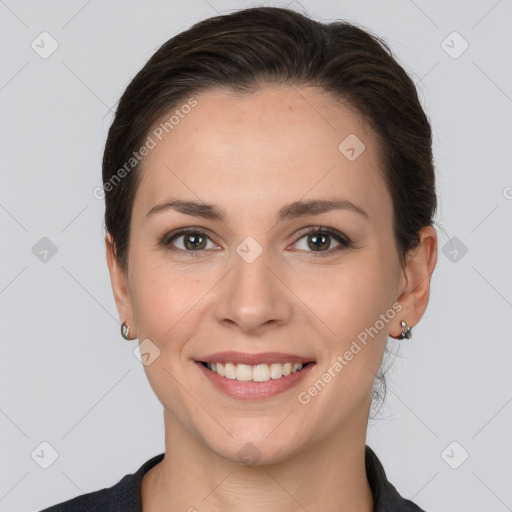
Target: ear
(417, 273)
(120, 287)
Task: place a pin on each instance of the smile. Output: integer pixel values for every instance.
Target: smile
(255, 373)
(259, 376)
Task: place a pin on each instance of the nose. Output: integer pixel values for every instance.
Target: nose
(254, 296)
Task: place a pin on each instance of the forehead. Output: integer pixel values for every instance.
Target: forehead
(277, 144)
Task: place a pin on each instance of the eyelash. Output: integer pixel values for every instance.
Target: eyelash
(344, 241)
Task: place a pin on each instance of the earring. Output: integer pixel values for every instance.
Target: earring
(406, 331)
(125, 331)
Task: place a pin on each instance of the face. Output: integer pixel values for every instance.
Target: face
(268, 274)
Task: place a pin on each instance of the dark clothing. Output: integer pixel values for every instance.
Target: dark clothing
(125, 495)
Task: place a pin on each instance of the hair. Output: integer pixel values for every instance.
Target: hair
(246, 49)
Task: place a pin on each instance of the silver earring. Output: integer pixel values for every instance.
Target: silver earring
(125, 331)
(406, 331)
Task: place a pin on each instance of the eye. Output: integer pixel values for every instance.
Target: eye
(318, 240)
(194, 241)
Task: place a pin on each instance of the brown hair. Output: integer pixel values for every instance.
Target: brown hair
(241, 51)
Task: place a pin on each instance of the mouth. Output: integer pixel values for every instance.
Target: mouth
(256, 373)
(254, 376)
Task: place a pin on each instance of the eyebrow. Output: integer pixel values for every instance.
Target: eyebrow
(290, 211)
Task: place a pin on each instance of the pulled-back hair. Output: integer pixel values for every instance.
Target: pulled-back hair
(243, 50)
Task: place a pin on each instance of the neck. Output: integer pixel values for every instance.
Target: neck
(321, 478)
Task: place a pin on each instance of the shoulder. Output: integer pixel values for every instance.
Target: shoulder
(93, 501)
(122, 497)
(386, 497)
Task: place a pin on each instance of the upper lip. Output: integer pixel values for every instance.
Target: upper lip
(253, 359)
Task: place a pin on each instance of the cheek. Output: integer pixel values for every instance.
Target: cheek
(356, 306)
(354, 309)
(348, 298)
(163, 302)
(165, 310)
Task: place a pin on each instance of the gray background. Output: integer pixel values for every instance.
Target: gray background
(68, 378)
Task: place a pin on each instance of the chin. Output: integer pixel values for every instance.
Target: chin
(257, 449)
(253, 454)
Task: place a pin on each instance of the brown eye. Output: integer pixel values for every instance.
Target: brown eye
(187, 241)
(194, 241)
(319, 240)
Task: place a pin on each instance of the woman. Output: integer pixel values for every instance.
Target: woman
(270, 198)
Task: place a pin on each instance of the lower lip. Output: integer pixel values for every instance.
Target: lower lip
(250, 390)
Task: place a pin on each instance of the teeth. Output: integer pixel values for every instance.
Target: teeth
(217, 367)
(260, 372)
(276, 371)
(256, 373)
(230, 371)
(243, 372)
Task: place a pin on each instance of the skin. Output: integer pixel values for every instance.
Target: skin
(251, 155)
